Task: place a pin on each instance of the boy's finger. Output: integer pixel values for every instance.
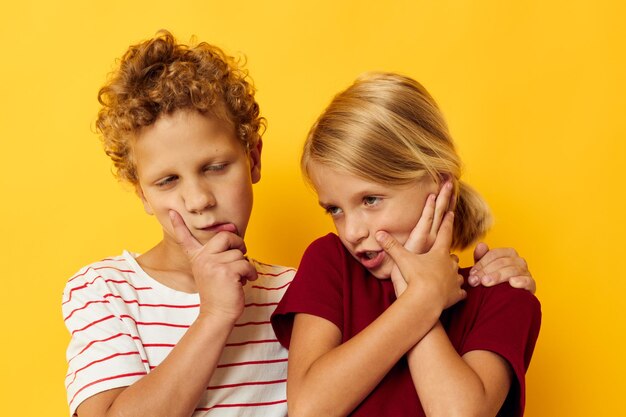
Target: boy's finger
(480, 251)
(444, 236)
(441, 206)
(182, 234)
(517, 277)
(493, 255)
(225, 241)
(246, 271)
(418, 239)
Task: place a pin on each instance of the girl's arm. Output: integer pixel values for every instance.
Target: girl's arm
(475, 384)
(329, 378)
(447, 384)
(174, 387)
(478, 383)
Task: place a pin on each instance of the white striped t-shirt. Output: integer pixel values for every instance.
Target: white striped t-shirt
(123, 323)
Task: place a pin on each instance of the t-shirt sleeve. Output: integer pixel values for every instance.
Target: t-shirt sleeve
(101, 354)
(507, 323)
(316, 288)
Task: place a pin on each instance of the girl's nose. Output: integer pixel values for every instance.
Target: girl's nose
(355, 229)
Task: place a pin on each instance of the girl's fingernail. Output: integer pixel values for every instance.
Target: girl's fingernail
(473, 280)
(487, 280)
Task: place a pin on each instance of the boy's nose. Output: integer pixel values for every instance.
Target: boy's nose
(198, 198)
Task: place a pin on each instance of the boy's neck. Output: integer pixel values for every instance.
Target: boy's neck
(167, 264)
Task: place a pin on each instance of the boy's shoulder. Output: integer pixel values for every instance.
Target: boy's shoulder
(106, 275)
(121, 264)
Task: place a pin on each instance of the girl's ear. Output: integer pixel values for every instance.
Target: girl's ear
(142, 197)
(255, 161)
(443, 178)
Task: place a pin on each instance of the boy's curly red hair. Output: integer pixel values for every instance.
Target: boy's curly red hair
(160, 76)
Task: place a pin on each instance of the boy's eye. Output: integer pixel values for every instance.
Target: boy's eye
(166, 181)
(215, 167)
(332, 210)
(371, 200)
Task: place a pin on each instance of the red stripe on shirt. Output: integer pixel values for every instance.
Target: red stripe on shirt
(105, 280)
(153, 323)
(249, 342)
(92, 323)
(97, 361)
(227, 365)
(171, 345)
(152, 305)
(84, 307)
(102, 340)
(105, 379)
(269, 274)
(271, 288)
(251, 323)
(132, 302)
(130, 271)
(245, 384)
(242, 405)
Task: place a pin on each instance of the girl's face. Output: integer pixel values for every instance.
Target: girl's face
(360, 208)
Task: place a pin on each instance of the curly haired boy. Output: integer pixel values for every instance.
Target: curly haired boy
(175, 331)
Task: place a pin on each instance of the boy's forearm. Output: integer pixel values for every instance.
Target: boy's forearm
(340, 379)
(446, 384)
(174, 388)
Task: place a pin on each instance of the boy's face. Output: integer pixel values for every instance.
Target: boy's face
(360, 208)
(195, 164)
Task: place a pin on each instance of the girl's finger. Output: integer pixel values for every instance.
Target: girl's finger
(441, 207)
(418, 239)
(444, 236)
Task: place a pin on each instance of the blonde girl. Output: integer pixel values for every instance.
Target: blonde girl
(379, 319)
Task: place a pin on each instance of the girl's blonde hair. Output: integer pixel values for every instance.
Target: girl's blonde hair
(386, 128)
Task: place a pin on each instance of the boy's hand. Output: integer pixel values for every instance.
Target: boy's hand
(218, 267)
(434, 272)
(500, 265)
(425, 231)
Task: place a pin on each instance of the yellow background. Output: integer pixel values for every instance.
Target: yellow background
(534, 91)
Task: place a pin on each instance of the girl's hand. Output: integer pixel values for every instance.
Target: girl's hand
(434, 272)
(425, 231)
(500, 265)
(218, 267)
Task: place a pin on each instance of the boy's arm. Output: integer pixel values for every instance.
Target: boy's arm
(174, 387)
(329, 378)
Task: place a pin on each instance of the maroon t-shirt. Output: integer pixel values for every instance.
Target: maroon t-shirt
(333, 285)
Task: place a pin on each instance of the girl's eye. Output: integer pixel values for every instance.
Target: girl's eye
(332, 210)
(371, 200)
(166, 181)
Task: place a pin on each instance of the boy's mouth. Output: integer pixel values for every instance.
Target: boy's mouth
(220, 227)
